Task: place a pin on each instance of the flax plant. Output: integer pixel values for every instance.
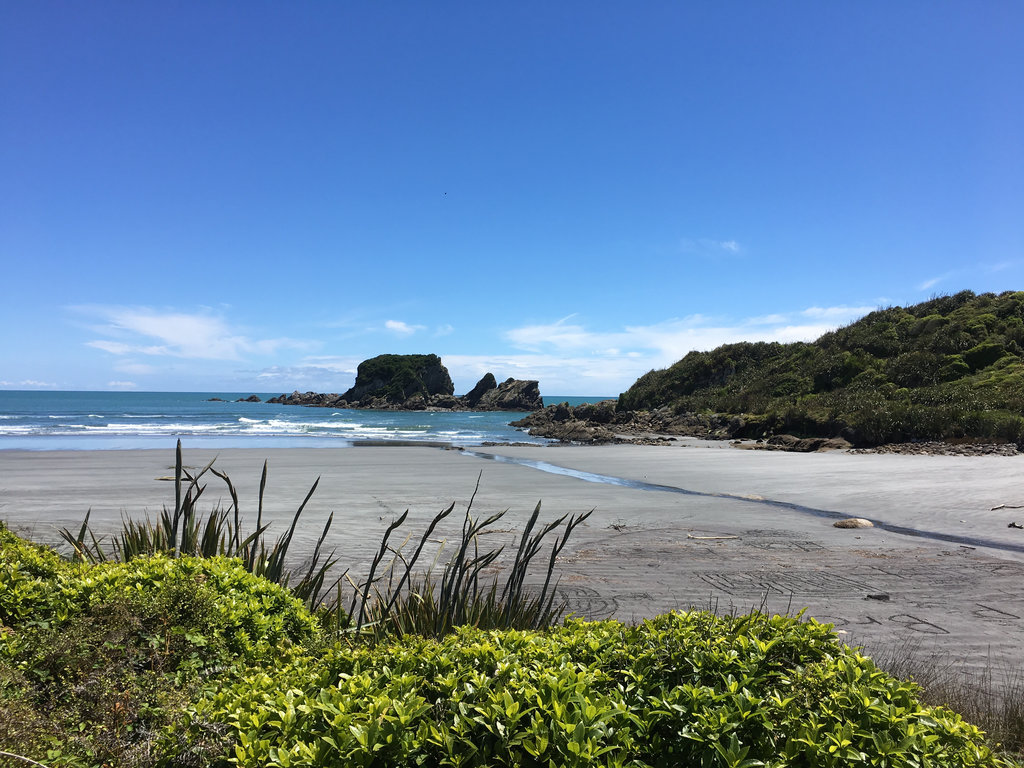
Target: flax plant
(186, 530)
(461, 591)
(396, 596)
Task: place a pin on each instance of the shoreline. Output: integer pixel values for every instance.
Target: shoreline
(728, 536)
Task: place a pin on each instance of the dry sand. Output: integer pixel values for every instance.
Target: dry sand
(943, 574)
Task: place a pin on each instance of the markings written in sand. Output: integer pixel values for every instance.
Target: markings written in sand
(792, 582)
(593, 477)
(963, 573)
(785, 545)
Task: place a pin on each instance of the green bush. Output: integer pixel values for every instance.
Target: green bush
(250, 614)
(96, 659)
(196, 662)
(683, 689)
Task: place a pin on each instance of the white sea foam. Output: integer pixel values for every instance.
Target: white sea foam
(156, 429)
(149, 417)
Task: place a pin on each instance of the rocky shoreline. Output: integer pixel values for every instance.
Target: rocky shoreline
(950, 448)
(601, 424)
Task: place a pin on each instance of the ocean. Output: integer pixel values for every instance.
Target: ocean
(50, 421)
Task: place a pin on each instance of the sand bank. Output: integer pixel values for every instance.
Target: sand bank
(757, 527)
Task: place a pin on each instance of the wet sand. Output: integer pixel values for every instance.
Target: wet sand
(698, 525)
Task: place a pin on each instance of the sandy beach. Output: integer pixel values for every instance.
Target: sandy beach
(693, 525)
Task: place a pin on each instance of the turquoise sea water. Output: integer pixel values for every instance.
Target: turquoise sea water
(120, 420)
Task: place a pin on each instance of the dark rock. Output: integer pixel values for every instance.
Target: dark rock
(317, 399)
(784, 442)
(447, 402)
(577, 424)
(249, 399)
(512, 395)
(576, 431)
(485, 385)
(216, 400)
(417, 383)
(945, 448)
(806, 444)
(598, 413)
(396, 378)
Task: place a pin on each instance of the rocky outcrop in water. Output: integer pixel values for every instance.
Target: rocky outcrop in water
(420, 383)
(511, 395)
(485, 385)
(398, 378)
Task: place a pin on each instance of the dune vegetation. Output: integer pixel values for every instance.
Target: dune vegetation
(951, 367)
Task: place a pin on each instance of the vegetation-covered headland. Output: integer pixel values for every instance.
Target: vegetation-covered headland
(951, 367)
(128, 656)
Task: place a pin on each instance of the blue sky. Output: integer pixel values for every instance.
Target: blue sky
(256, 196)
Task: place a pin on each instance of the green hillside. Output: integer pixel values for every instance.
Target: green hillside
(951, 367)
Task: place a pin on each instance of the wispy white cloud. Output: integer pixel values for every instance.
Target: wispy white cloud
(572, 354)
(1002, 266)
(839, 314)
(557, 374)
(200, 335)
(709, 247)
(444, 330)
(401, 328)
(122, 384)
(325, 374)
(969, 274)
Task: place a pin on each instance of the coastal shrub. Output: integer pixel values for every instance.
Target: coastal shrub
(251, 628)
(992, 697)
(95, 659)
(188, 661)
(682, 689)
(27, 572)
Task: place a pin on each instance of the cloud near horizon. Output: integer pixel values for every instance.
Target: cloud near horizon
(574, 354)
(28, 384)
(567, 355)
(199, 335)
(568, 358)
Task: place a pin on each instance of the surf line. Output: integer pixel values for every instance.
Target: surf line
(640, 485)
